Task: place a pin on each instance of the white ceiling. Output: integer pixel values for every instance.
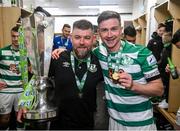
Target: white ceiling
(70, 7)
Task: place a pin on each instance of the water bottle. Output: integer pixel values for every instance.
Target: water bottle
(172, 68)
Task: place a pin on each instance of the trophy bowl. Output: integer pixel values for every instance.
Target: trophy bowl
(39, 32)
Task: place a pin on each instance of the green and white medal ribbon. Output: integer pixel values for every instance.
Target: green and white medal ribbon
(66, 43)
(80, 84)
(14, 67)
(23, 64)
(117, 58)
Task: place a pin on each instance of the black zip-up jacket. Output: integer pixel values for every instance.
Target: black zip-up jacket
(155, 45)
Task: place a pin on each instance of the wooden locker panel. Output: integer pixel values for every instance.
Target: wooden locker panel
(9, 17)
(174, 88)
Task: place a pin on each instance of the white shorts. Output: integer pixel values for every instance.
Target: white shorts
(7, 101)
(113, 125)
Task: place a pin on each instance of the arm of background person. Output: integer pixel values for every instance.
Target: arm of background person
(20, 114)
(56, 53)
(2, 85)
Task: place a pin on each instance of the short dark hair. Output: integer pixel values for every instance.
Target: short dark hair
(105, 15)
(161, 25)
(15, 28)
(66, 25)
(176, 37)
(83, 24)
(130, 31)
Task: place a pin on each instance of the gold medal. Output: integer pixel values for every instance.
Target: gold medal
(80, 94)
(14, 68)
(115, 76)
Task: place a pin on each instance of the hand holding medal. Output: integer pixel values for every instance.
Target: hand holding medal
(115, 75)
(121, 77)
(126, 80)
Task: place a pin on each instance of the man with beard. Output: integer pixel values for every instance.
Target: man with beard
(76, 75)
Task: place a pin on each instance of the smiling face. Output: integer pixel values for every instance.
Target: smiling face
(66, 32)
(110, 33)
(82, 42)
(161, 31)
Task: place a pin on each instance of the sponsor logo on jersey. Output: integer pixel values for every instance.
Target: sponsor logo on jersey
(151, 60)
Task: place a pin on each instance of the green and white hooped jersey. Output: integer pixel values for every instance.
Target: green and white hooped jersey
(13, 80)
(126, 107)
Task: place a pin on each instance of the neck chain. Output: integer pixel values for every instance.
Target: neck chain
(80, 84)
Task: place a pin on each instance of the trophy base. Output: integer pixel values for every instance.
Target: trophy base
(40, 115)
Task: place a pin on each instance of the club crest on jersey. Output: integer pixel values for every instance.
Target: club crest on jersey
(151, 60)
(66, 64)
(126, 60)
(92, 68)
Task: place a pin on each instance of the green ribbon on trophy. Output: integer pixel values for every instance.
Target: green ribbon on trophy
(28, 97)
(23, 64)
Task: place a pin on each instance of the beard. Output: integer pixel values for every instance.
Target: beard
(82, 52)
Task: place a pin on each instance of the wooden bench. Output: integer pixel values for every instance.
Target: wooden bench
(170, 116)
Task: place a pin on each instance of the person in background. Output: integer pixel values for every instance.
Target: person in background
(76, 74)
(96, 37)
(131, 76)
(63, 41)
(130, 34)
(176, 41)
(166, 52)
(155, 44)
(10, 79)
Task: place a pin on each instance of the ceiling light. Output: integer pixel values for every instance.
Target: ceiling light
(99, 7)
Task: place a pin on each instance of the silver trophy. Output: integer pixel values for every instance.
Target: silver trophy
(39, 32)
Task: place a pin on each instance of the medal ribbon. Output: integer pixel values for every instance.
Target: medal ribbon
(80, 84)
(117, 58)
(66, 43)
(14, 56)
